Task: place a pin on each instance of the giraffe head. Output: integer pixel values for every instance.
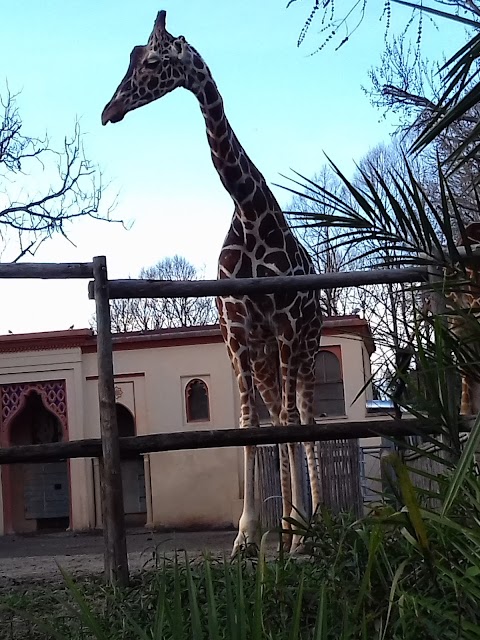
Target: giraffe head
(163, 64)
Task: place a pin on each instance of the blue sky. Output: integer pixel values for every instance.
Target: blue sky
(288, 108)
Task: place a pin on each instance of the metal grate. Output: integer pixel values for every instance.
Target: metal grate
(339, 471)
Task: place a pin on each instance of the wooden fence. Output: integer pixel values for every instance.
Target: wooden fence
(102, 290)
(426, 465)
(421, 467)
(268, 486)
(339, 468)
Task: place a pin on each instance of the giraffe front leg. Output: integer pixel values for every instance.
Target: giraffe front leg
(248, 525)
(298, 511)
(236, 341)
(286, 485)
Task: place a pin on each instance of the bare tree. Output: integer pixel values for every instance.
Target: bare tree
(144, 314)
(338, 21)
(322, 242)
(388, 308)
(31, 212)
(417, 89)
(411, 86)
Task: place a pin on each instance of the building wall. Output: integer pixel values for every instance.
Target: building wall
(184, 489)
(188, 489)
(202, 488)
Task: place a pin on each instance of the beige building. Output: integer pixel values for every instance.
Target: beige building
(166, 380)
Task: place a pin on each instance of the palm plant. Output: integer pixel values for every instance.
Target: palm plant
(436, 483)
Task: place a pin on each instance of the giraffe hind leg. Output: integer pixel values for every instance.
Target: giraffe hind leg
(265, 368)
(304, 400)
(290, 416)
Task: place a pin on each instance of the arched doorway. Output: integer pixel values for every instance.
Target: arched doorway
(133, 474)
(39, 492)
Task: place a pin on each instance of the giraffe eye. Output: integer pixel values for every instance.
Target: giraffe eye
(152, 60)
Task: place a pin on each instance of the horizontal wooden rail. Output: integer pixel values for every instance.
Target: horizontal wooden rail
(46, 270)
(176, 441)
(240, 286)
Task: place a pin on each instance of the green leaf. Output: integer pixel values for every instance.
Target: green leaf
(241, 604)
(393, 591)
(86, 614)
(158, 624)
(176, 613)
(213, 629)
(232, 626)
(409, 498)
(45, 627)
(297, 614)
(321, 621)
(463, 466)
(193, 599)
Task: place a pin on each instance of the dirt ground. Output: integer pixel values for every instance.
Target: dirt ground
(34, 558)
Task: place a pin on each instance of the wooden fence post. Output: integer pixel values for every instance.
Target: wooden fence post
(116, 559)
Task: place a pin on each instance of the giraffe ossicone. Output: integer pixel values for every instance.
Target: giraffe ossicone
(272, 340)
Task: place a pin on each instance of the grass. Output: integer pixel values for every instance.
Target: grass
(382, 577)
(404, 572)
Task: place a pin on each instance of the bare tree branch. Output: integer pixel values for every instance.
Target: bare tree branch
(75, 186)
(145, 314)
(337, 21)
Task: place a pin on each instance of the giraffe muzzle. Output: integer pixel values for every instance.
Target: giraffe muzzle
(112, 113)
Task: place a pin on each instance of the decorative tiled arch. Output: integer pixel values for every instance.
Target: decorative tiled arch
(52, 392)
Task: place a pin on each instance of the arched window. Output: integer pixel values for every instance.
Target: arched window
(197, 403)
(329, 399)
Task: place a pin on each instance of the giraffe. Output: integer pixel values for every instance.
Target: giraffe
(272, 340)
(466, 299)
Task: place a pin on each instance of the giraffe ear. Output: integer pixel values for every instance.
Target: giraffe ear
(181, 49)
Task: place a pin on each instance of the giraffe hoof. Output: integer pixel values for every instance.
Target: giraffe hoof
(299, 550)
(249, 549)
(299, 546)
(285, 543)
(244, 544)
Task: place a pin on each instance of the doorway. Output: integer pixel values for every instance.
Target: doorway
(40, 491)
(133, 474)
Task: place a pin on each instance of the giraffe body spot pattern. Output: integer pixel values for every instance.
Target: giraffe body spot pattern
(272, 339)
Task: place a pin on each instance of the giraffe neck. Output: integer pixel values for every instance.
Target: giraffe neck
(240, 177)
